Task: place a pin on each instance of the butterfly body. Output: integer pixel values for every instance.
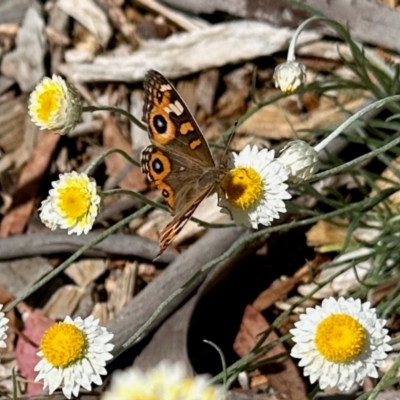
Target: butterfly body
(179, 160)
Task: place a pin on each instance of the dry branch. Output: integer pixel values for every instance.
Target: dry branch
(56, 243)
(369, 21)
(142, 307)
(190, 52)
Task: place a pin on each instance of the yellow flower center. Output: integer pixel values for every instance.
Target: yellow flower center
(63, 344)
(74, 200)
(340, 338)
(243, 186)
(49, 102)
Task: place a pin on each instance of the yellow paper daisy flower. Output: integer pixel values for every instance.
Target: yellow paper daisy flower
(74, 354)
(167, 381)
(72, 204)
(55, 105)
(340, 343)
(253, 190)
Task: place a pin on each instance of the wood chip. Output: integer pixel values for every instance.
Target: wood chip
(86, 271)
(206, 89)
(101, 312)
(120, 21)
(178, 18)
(186, 53)
(122, 289)
(90, 15)
(63, 302)
(139, 138)
(25, 64)
(12, 124)
(13, 11)
(278, 121)
(19, 275)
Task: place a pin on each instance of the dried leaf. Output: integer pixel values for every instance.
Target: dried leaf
(325, 233)
(284, 376)
(27, 347)
(27, 187)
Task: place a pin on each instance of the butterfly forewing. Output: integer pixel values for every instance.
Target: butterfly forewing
(171, 125)
(179, 160)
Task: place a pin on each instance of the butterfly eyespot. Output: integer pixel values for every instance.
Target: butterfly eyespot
(159, 95)
(165, 193)
(158, 166)
(160, 123)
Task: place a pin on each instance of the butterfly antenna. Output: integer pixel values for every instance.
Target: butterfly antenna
(228, 142)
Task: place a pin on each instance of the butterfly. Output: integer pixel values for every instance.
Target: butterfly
(179, 160)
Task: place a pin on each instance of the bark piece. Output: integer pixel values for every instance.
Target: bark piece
(86, 271)
(13, 11)
(90, 15)
(186, 53)
(19, 275)
(368, 21)
(63, 302)
(25, 64)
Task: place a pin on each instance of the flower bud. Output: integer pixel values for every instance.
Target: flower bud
(300, 160)
(289, 76)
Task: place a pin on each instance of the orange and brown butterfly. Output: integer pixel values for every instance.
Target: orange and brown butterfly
(179, 160)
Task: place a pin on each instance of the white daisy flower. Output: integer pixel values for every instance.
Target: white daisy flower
(74, 354)
(55, 105)
(340, 343)
(300, 159)
(3, 328)
(72, 204)
(253, 190)
(167, 381)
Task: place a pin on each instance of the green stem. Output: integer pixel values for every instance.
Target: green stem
(356, 161)
(395, 341)
(386, 379)
(321, 145)
(291, 51)
(63, 266)
(222, 357)
(94, 164)
(119, 110)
